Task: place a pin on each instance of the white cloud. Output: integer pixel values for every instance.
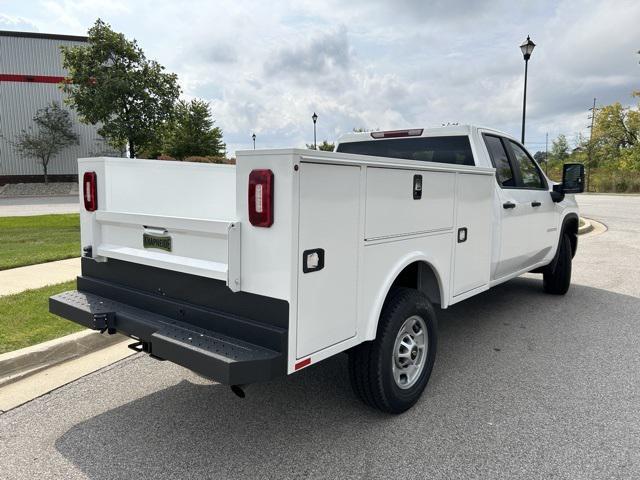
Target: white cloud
(266, 66)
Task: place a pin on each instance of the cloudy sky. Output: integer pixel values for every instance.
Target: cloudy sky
(267, 66)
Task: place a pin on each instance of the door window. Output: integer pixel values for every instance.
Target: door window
(529, 173)
(500, 160)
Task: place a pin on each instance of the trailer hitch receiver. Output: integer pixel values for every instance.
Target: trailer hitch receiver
(105, 322)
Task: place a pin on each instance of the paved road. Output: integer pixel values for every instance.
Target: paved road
(526, 385)
(17, 206)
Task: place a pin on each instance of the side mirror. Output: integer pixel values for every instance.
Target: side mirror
(572, 181)
(572, 178)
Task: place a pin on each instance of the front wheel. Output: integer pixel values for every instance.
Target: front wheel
(390, 372)
(557, 280)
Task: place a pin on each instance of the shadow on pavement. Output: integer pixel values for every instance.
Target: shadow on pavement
(512, 356)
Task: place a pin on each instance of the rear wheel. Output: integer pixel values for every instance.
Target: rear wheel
(556, 281)
(390, 372)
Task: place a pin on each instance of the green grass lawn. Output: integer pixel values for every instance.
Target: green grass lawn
(38, 239)
(25, 319)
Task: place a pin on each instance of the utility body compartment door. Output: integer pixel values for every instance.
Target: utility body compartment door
(474, 210)
(394, 210)
(329, 232)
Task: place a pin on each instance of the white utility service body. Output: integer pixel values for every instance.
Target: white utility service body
(343, 230)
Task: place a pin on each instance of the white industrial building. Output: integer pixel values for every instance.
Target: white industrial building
(30, 71)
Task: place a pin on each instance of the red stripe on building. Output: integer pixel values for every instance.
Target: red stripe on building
(13, 77)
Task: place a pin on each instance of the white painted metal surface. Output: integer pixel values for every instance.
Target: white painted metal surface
(329, 219)
(192, 204)
(392, 211)
(472, 259)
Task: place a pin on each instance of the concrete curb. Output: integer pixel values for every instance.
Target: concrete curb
(21, 363)
(586, 228)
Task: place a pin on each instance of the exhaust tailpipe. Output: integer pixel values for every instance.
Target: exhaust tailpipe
(239, 390)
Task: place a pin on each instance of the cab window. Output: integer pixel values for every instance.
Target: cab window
(530, 176)
(500, 160)
(450, 149)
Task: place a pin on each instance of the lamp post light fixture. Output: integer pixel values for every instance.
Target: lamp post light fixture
(254, 140)
(527, 49)
(314, 117)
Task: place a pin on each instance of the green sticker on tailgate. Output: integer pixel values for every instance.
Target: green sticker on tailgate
(162, 242)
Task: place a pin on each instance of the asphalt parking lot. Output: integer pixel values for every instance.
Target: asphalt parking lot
(526, 385)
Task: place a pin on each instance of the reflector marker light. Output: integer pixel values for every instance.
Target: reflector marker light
(302, 363)
(414, 132)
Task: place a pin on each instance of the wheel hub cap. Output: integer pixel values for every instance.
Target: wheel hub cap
(409, 352)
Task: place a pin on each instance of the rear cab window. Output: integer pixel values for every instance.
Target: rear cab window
(448, 149)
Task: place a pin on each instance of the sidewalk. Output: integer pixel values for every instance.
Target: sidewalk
(21, 206)
(16, 280)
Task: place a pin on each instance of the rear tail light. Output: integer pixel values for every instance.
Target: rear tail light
(261, 198)
(415, 132)
(90, 191)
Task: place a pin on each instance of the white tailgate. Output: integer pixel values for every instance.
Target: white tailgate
(190, 205)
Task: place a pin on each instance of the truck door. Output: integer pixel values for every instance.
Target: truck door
(515, 212)
(543, 222)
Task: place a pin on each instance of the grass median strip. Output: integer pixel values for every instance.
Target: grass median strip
(38, 239)
(25, 319)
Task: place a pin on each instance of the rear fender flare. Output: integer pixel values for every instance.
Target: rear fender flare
(412, 257)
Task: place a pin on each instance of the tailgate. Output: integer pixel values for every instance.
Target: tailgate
(174, 215)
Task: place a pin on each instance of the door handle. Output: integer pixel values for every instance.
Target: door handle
(508, 205)
(535, 204)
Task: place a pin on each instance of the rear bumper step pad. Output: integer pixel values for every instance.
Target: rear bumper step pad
(219, 357)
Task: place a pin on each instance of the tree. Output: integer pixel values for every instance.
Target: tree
(325, 146)
(616, 136)
(54, 133)
(191, 132)
(540, 157)
(112, 84)
(560, 149)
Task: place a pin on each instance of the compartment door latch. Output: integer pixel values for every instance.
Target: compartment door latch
(417, 187)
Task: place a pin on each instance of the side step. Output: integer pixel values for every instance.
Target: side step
(217, 356)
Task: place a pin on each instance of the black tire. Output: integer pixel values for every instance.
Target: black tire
(371, 363)
(556, 281)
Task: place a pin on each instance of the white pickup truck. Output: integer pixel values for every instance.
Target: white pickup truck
(249, 272)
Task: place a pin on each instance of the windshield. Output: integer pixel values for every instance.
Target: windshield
(450, 149)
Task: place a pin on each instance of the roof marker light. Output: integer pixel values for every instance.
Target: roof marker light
(414, 132)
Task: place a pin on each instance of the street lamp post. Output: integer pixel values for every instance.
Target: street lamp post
(314, 117)
(254, 140)
(527, 48)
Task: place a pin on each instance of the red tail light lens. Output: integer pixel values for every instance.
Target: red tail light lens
(261, 198)
(90, 191)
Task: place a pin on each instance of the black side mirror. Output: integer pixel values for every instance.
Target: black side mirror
(572, 181)
(572, 178)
